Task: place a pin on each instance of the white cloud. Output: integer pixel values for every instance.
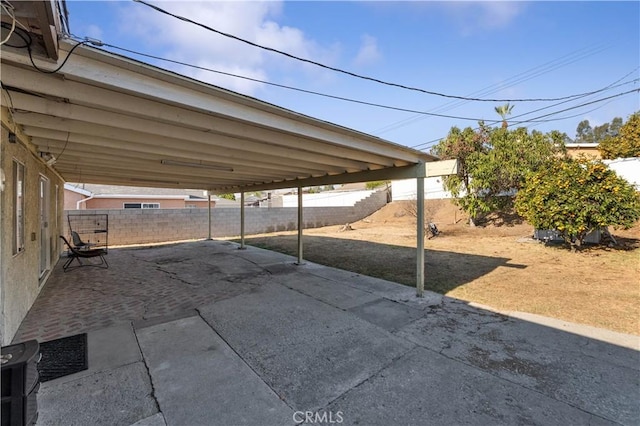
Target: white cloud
(93, 31)
(253, 21)
(496, 14)
(475, 16)
(368, 52)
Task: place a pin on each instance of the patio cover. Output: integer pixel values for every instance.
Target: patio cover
(107, 119)
(103, 118)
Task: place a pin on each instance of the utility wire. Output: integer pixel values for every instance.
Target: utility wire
(13, 23)
(613, 85)
(425, 145)
(26, 38)
(586, 103)
(512, 81)
(311, 92)
(282, 86)
(402, 86)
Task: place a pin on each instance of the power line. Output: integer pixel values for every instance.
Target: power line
(424, 145)
(586, 103)
(613, 85)
(516, 79)
(339, 70)
(28, 41)
(282, 86)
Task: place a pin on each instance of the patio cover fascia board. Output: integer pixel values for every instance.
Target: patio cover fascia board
(143, 114)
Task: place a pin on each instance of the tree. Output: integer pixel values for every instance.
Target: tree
(625, 142)
(377, 184)
(584, 132)
(493, 164)
(587, 134)
(576, 197)
(503, 111)
(467, 146)
(227, 197)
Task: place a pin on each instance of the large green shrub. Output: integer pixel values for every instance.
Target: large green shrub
(576, 197)
(626, 143)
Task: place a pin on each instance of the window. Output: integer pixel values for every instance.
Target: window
(141, 205)
(18, 207)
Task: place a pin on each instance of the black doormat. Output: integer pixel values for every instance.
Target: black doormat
(62, 357)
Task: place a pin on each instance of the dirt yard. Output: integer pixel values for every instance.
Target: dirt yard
(496, 265)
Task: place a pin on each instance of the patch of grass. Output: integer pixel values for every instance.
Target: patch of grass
(598, 286)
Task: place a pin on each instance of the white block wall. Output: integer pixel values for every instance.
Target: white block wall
(326, 199)
(626, 168)
(406, 189)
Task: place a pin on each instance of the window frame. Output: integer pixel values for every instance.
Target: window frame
(18, 183)
(141, 205)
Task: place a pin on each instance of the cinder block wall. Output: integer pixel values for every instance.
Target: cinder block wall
(140, 226)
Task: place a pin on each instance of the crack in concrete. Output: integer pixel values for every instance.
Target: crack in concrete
(371, 376)
(281, 397)
(146, 366)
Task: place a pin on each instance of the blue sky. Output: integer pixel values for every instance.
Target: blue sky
(505, 50)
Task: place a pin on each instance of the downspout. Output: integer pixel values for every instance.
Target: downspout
(84, 200)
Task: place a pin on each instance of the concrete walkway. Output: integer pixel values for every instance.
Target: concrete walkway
(205, 334)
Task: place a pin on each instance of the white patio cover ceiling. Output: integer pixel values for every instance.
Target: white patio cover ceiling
(112, 120)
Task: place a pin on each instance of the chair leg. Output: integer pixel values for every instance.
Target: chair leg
(105, 261)
(67, 266)
(71, 258)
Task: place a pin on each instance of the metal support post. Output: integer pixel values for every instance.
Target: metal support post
(420, 239)
(300, 226)
(242, 247)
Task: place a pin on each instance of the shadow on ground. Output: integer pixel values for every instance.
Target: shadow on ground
(206, 334)
(445, 270)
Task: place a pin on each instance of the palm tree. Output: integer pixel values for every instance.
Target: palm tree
(503, 111)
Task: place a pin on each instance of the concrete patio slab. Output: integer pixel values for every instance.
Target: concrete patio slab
(247, 337)
(155, 420)
(426, 388)
(387, 314)
(333, 293)
(118, 396)
(307, 351)
(585, 373)
(199, 380)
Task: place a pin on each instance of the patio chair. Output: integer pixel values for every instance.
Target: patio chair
(78, 243)
(76, 254)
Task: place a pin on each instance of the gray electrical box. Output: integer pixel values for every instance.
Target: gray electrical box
(20, 383)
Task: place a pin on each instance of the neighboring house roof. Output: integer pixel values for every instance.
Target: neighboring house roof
(72, 187)
(118, 191)
(581, 145)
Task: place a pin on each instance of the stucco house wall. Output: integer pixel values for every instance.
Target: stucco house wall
(589, 150)
(118, 203)
(20, 280)
(71, 200)
(79, 199)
